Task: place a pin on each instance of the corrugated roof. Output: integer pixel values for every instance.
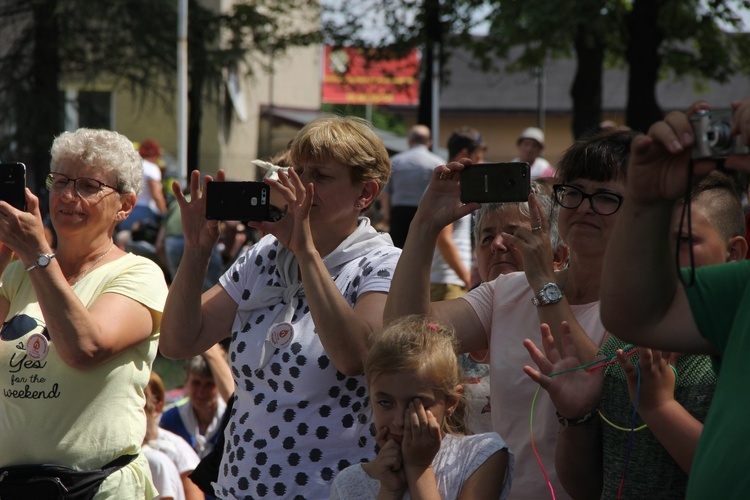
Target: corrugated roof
(469, 89)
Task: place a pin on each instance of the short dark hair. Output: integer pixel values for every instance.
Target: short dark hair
(464, 137)
(721, 202)
(601, 157)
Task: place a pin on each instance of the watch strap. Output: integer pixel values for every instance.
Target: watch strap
(40, 262)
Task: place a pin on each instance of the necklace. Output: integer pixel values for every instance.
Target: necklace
(80, 275)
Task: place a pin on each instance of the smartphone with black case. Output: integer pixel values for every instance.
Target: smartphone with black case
(495, 182)
(238, 200)
(13, 184)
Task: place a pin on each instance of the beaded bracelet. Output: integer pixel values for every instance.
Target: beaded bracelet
(571, 422)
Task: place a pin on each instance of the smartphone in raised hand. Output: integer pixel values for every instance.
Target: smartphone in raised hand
(13, 184)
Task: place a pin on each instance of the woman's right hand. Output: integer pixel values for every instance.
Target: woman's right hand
(198, 231)
(22, 232)
(441, 202)
(534, 246)
(660, 161)
(575, 393)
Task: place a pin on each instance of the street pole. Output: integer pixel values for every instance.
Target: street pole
(182, 90)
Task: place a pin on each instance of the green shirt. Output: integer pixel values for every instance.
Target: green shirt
(720, 303)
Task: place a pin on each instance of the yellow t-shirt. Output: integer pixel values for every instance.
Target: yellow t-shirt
(51, 413)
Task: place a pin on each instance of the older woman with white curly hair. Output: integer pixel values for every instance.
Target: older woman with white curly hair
(80, 332)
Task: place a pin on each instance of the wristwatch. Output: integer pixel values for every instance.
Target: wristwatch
(42, 261)
(551, 293)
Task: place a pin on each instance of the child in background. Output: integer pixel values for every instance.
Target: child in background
(415, 394)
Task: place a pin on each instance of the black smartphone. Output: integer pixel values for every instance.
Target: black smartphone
(13, 184)
(495, 182)
(238, 200)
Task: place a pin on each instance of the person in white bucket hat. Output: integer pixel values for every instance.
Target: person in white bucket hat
(530, 144)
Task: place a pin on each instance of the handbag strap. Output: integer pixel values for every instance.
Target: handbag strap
(118, 463)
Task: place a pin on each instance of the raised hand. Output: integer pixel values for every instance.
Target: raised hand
(575, 393)
(534, 246)
(421, 436)
(660, 161)
(389, 465)
(22, 232)
(199, 231)
(741, 127)
(657, 378)
(441, 203)
(293, 230)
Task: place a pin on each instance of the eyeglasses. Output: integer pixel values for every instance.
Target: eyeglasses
(602, 203)
(85, 187)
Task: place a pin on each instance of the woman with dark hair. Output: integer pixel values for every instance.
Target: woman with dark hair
(500, 314)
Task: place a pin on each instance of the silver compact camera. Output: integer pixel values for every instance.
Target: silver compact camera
(712, 132)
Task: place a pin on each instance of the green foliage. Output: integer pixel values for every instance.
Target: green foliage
(547, 29)
(382, 118)
(132, 44)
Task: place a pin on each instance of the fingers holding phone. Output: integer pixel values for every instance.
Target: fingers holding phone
(441, 204)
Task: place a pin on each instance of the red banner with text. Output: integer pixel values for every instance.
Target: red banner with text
(351, 77)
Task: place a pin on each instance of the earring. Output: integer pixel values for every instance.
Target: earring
(358, 206)
(118, 217)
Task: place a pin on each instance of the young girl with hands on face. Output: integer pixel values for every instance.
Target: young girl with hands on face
(425, 450)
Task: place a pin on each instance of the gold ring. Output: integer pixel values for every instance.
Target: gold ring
(536, 228)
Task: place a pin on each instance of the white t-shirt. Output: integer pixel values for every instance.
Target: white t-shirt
(297, 420)
(151, 172)
(164, 473)
(540, 168)
(459, 457)
(441, 272)
(504, 307)
(177, 449)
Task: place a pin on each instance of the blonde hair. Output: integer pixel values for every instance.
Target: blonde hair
(102, 149)
(414, 343)
(348, 140)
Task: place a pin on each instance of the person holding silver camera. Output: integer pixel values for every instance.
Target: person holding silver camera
(650, 302)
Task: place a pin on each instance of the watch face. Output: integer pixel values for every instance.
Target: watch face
(553, 294)
(43, 260)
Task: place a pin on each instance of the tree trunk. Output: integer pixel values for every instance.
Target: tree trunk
(424, 111)
(645, 37)
(197, 70)
(39, 117)
(195, 115)
(586, 90)
(433, 37)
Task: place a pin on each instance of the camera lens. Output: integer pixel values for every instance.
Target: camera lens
(718, 136)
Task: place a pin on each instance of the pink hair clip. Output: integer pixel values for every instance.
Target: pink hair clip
(434, 327)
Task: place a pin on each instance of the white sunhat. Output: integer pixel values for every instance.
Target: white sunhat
(532, 133)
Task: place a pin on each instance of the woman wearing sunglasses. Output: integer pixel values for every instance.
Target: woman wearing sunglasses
(80, 330)
(499, 315)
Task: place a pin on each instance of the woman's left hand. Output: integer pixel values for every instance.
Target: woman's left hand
(534, 246)
(23, 232)
(422, 436)
(293, 230)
